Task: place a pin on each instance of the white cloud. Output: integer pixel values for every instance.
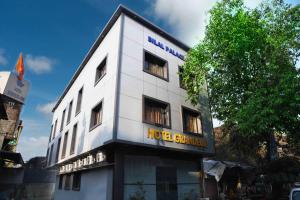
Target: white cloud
(188, 18)
(32, 146)
(46, 109)
(3, 59)
(39, 64)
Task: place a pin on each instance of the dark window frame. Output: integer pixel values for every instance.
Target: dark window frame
(54, 130)
(153, 74)
(73, 139)
(51, 132)
(60, 181)
(62, 120)
(70, 111)
(183, 120)
(78, 110)
(57, 150)
(50, 155)
(69, 185)
(99, 78)
(92, 127)
(65, 144)
(145, 97)
(78, 176)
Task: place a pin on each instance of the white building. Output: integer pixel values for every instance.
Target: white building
(122, 127)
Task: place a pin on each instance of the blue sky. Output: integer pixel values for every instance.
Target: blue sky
(54, 37)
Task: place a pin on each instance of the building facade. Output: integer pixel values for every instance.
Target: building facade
(122, 128)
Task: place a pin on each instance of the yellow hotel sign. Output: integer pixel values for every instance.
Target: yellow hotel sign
(176, 137)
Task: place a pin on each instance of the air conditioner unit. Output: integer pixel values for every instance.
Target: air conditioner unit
(90, 160)
(100, 157)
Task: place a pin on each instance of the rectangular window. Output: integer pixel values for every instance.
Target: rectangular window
(47, 157)
(96, 116)
(191, 121)
(76, 181)
(67, 181)
(101, 71)
(73, 142)
(70, 112)
(155, 66)
(57, 150)
(181, 85)
(54, 131)
(63, 153)
(60, 183)
(50, 155)
(62, 120)
(51, 133)
(156, 112)
(166, 183)
(79, 99)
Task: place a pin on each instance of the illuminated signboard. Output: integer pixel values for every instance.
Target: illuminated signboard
(176, 137)
(165, 47)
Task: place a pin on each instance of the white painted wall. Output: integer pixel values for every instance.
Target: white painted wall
(135, 83)
(95, 184)
(92, 95)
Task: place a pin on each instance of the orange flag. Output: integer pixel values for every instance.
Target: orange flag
(20, 67)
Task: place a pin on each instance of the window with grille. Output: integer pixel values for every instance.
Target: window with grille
(76, 181)
(156, 112)
(73, 142)
(79, 99)
(155, 65)
(96, 116)
(100, 71)
(54, 131)
(191, 121)
(63, 153)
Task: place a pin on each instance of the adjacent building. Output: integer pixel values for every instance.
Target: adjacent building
(122, 129)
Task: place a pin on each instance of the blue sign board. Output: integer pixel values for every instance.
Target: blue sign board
(166, 48)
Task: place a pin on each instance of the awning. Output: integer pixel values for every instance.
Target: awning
(216, 168)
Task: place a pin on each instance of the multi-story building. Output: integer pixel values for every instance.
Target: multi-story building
(122, 128)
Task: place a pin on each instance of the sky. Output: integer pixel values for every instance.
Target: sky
(54, 37)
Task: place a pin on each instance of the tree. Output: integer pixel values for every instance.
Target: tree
(248, 60)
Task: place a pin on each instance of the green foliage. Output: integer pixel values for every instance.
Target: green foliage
(248, 59)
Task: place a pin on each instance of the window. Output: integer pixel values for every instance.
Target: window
(166, 183)
(51, 133)
(191, 121)
(70, 112)
(181, 85)
(50, 155)
(79, 99)
(60, 182)
(67, 181)
(96, 116)
(76, 181)
(156, 112)
(57, 150)
(155, 66)
(62, 120)
(73, 142)
(54, 131)
(101, 71)
(63, 153)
